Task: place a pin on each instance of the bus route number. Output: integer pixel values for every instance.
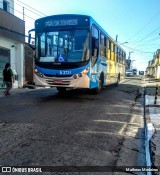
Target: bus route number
(65, 72)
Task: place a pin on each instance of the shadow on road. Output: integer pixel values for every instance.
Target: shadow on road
(74, 129)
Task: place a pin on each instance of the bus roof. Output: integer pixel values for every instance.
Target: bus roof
(91, 20)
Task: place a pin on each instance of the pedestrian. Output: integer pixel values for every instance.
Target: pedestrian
(7, 78)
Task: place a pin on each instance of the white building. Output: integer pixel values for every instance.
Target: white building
(157, 64)
(153, 69)
(12, 40)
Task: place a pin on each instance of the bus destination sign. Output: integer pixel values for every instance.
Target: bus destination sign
(56, 23)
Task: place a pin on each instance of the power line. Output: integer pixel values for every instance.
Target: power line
(146, 36)
(144, 26)
(20, 12)
(147, 42)
(29, 10)
(32, 8)
(136, 50)
(27, 13)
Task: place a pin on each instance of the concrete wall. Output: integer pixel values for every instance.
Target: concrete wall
(28, 64)
(12, 27)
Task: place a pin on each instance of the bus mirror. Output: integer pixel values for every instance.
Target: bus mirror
(31, 39)
(33, 43)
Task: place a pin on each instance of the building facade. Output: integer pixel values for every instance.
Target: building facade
(12, 40)
(153, 69)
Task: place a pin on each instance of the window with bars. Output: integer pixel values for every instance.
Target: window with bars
(5, 5)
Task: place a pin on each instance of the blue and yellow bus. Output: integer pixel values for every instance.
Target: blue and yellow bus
(73, 51)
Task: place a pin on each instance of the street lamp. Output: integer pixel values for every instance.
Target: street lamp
(130, 54)
(123, 43)
(119, 42)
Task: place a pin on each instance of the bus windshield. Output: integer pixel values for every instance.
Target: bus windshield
(62, 46)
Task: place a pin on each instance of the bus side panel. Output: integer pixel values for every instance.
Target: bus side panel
(94, 77)
(99, 68)
(103, 70)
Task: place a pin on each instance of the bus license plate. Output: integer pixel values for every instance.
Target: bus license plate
(57, 82)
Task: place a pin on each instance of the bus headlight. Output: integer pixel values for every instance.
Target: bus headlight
(35, 71)
(75, 76)
(38, 73)
(80, 74)
(85, 71)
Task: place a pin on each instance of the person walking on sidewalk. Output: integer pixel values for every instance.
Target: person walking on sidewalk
(7, 78)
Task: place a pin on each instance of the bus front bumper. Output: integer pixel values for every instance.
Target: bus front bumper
(68, 82)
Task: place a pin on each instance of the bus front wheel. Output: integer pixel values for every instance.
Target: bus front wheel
(61, 89)
(99, 88)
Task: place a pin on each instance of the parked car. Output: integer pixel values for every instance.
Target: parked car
(141, 72)
(129, 73)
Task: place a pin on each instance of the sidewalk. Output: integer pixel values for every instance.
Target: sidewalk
(24, 90)
(14, 91)
(152, 118)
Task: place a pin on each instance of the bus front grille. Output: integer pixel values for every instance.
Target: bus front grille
(58, 82)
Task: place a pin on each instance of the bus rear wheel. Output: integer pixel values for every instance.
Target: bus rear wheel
(61, 89)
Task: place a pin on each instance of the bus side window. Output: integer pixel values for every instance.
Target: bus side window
(102, 46)
(120, 56)
(117, 54)
(115, 48)
(48, 46)
(109, 49)
(95, 45)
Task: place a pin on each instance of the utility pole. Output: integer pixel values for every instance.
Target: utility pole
(129, 61)
(116, 38)
(23, 14)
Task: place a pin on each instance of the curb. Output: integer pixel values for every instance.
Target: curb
(150, 129)
(147, 148)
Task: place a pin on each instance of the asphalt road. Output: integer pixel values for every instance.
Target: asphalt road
(44, 128)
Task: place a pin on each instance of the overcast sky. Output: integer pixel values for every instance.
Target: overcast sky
(134, 21)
